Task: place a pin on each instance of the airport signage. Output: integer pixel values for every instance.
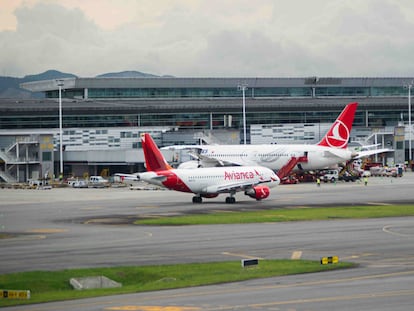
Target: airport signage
(14, 294)
(249, 262)
(329, 260)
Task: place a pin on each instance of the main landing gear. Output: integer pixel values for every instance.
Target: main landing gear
(230, 200)
(197, 199)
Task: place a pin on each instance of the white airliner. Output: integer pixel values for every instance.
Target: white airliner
(330, 151)
(204, 182)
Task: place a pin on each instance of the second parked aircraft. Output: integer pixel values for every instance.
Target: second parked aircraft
(331, 150)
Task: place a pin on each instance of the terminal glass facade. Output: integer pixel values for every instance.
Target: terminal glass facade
(188, 120)
(153, 91)
(229, 92)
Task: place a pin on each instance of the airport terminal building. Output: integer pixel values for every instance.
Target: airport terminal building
(102, 118)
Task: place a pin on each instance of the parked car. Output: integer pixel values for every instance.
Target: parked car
(97, 182)
(289, 180)
(349, 177)
(71, 181)
(97, 179)
(80, 184)
(378, 171)
(330, 176)
(391, 172)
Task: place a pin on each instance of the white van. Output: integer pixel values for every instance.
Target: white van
(330, 175)
(93, 179)
(97, 181)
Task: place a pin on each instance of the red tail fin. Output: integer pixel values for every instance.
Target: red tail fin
(338, 134)
(154, 159)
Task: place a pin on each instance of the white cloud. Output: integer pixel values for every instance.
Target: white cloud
(212, 38)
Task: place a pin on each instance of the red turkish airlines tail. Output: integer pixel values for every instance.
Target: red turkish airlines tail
(338, 134)
(154, 159)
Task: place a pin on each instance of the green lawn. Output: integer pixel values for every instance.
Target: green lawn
(54, 285)
(279, 215)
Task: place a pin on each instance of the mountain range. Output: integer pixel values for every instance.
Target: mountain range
(10, 86)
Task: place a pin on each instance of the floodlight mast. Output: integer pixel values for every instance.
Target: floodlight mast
(409, 123)
(409, 86)
(243, 87)
(60, 84)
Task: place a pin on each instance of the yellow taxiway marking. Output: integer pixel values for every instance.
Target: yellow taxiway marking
(102, 221)
(296, 255)
(24, 238)
(388, 229)
(241, 255)
(335, 298)
(250, 290)
(46, 230)
(356, 256)
(153, 308)
(372, 295)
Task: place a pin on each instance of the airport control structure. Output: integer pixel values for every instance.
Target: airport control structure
(103, 118)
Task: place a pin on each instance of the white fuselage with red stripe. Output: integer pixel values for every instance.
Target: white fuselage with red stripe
(272, 156)
(212, 181)
(331, 150)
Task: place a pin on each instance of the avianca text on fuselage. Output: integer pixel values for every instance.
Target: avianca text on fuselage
(239, 175)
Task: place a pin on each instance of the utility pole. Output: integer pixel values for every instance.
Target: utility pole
(409, 86)
(60, 84)
(243, 87)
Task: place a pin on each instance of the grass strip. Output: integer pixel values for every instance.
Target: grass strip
(46, 286)
(279, 215)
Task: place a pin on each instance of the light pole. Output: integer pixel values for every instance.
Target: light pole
(60, 84)
(243, 87)
(409, 86)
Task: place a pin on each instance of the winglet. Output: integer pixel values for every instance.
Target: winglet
(154, 159)
(338, 134)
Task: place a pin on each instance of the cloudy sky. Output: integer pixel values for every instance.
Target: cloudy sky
(208, 38)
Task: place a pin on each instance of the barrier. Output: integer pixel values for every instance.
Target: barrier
(249, 262)
(329, 260)
(14, 294)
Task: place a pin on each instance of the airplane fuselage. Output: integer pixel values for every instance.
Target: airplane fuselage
(212, 180)
(276, 156)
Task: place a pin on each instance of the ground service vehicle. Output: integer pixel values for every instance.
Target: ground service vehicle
(330, 176)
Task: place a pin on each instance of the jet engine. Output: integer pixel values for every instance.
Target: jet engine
(258, 192)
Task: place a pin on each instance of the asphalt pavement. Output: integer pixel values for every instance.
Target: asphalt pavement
(76, 228)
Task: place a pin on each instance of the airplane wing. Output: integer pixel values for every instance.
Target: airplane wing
(195, 153)
(159, 178)
(136, 177)
(236, 186)
(367, 153)
(207, 161)
(133, 177)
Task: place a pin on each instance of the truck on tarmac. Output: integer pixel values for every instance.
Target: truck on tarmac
(334, 175)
